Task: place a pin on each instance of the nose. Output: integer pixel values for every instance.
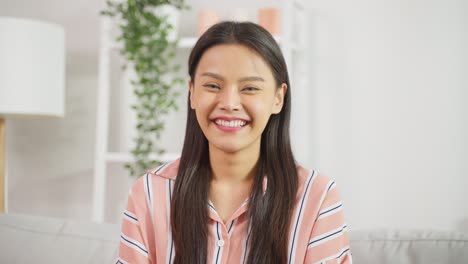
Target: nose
(229, 99)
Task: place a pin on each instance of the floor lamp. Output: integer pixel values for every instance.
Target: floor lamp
(32, 77)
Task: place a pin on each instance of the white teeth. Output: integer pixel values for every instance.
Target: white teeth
(236, 123)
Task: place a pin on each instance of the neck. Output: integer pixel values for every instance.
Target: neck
(236, 167)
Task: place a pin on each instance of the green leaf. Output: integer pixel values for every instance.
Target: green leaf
(143, 35)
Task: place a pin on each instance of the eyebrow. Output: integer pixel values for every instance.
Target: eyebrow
(243, 79)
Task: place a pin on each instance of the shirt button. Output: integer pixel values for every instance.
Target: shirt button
(220, 243)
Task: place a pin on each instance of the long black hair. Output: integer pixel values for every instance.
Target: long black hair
(269, 213)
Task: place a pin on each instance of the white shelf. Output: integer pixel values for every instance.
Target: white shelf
(184, 43)
(121, 157)
(187, 42)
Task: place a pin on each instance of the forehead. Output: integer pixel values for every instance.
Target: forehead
(233, 60)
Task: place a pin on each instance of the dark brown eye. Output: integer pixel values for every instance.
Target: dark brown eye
(211, 86)
(250, 89)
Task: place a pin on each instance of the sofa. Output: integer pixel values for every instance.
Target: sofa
(37, 239)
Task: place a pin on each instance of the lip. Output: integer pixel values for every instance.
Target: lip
(229, 129)
(226, 118)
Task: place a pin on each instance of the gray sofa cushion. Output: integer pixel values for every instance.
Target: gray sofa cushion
(41, 240)
(33, 239)
(409, 246)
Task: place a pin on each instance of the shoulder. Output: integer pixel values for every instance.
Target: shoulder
(154, 178)
(316, 187)
(167, 170)
(320, 213)
(312, 178)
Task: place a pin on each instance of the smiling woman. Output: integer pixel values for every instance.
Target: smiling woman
(234, 94)
(236, 195)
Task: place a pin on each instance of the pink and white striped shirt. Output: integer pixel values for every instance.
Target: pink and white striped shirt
(318, 232)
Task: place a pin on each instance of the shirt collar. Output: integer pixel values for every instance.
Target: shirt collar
(169, 171)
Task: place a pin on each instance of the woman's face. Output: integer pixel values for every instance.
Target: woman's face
(233, 94)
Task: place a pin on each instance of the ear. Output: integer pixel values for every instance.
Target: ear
(192, 104)
(279, 98)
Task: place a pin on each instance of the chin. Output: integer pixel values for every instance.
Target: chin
(228, 148)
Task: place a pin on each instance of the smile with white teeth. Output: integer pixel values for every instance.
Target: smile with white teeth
(235, 123)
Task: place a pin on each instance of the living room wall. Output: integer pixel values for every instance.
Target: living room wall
(389, 121)
(390, 85)
(50, 161)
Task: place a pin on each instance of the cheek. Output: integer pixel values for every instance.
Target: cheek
(258, 107)
(202, 111)
(202, 122)
(260, 110)
(201, 116)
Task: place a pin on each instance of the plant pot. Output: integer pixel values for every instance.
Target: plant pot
(206, 19)
(270, 19)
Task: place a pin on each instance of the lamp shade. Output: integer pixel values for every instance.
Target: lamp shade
(32, 68)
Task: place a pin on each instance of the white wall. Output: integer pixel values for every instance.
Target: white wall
(50, 160)
(390, 82)
(389, 123)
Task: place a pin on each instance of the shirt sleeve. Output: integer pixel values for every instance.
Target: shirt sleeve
(136, 230)
(329, 240)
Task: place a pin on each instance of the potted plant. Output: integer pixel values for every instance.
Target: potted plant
(148, 46)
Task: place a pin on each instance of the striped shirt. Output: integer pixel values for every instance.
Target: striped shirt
(318, 232)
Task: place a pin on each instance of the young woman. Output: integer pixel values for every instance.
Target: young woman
(236, 195)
